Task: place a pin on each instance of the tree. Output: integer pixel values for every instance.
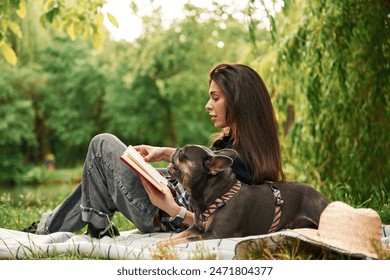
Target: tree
(148, 91)
(17, 122)
(331, 70)
(167, 79)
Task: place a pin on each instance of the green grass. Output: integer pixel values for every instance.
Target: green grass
(21, 206)
(375, 197)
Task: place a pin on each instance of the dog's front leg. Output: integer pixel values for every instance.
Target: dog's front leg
(203, 236)
(180, 238)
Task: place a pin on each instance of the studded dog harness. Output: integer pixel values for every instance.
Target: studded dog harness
(221, 201)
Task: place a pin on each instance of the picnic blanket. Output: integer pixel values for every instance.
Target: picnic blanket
(129, 245)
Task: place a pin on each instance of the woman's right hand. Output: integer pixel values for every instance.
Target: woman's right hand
(152, 153)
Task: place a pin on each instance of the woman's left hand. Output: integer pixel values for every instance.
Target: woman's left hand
(162, 200)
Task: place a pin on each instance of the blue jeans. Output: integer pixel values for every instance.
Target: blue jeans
(107, 185)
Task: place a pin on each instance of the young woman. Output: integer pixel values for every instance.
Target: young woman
(239, 104)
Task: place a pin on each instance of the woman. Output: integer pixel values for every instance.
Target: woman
(239, 105)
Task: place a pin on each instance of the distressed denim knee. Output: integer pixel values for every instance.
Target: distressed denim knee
(109, 186)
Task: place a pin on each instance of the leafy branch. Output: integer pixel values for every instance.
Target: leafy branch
(84, 20)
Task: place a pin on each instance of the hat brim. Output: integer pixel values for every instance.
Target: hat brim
(310, 236)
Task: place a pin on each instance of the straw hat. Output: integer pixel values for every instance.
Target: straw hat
(353, 231)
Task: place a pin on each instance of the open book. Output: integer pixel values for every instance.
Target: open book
(135, 161)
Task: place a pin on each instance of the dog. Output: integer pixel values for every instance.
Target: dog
(206, 175)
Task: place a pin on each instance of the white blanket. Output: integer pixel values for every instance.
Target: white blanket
(129, 245)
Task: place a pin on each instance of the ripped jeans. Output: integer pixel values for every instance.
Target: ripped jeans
(107, 185)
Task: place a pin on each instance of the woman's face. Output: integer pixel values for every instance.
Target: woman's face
(217, 106)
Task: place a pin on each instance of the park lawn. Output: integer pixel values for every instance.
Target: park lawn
(22, 205)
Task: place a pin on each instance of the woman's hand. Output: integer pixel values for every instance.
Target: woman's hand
(165, 201)
(151, 153)
(162, 200)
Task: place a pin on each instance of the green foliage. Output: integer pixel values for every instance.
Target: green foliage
(162, 93)
(71, 101)
(83, 20)
(331, 72)
(53, 106)
(9, 10)
(16, 127)
(143, 92)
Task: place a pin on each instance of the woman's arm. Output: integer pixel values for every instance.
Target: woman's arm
(164, 201)
(152, 153)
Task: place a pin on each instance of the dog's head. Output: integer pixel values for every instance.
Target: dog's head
(194, 161)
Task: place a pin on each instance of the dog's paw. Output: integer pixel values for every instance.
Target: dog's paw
(165, 242)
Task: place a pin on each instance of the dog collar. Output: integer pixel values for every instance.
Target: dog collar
(219, 202)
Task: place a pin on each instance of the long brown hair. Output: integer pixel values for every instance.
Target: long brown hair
(251, 119)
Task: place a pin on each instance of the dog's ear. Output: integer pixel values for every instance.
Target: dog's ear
(227, 152)
(218, 163)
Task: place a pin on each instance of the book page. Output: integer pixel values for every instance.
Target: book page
(134, 160)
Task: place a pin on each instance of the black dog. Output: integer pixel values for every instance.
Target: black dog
(247, 209)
